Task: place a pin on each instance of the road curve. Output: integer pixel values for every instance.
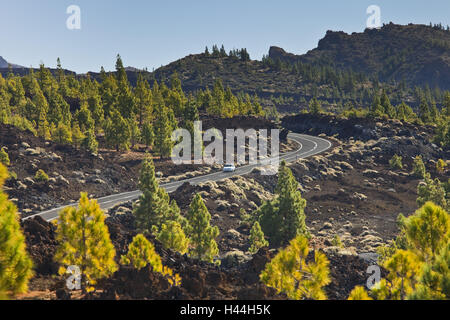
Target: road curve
(309, 146)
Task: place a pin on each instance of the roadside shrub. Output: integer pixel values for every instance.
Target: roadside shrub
(396, 162)
(440, 166)
(4, 158)
(419, 170)
(41, 176)
(337, 242)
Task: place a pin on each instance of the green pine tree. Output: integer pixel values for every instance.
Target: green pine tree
(16, 267)
(147, 135)
(117, 131)
(163, 133)
(173, 237)
(84, 242)
(257, 240)
(314, 106)
(154, 207)
(201, 233)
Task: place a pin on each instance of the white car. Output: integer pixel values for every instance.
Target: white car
(229, 168)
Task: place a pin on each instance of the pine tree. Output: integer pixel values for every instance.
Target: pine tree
(290, 273)
(446, 107)
(163, 134)
(90, 142)
(59, 109)
(434, 281)
(427, 231)
(419, 170)
(147, 135)
(126, 103)
(143, 100)
(431, 190)
(404, 267)
(418, 262)
(284, 218)
(154, 203)
(135, 133)
(62, 134)
(424, 111)
(387, 106)
(141, 252)
(77, 135)
(84, 118)
(359, 293)
(121, 74)
(257, 240)
(201, 233)
(96, 109)
(376, 109)
(314, 106)
(173, 237)
(84, 241)
(440, 166)
(191, 111)
(117, 131)
(41, 176)
(43, 129)
(15, 263)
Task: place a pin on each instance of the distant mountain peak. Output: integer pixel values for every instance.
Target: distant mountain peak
(416, 54)
(5, 64)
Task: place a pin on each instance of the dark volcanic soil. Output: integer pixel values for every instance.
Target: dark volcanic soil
(199, 280)
(351, 193)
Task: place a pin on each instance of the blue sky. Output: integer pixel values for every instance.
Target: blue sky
(151, 33)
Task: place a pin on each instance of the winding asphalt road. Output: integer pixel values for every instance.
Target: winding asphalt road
(309, 146)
